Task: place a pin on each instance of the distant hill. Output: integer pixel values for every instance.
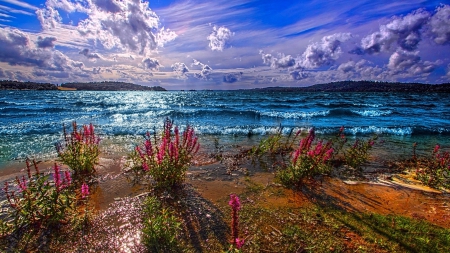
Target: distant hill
(111, 86)
(364, 86)
(15, 85)
(94, 86)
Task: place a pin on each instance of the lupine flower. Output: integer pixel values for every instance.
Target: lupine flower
(84, 190)
(235, 207)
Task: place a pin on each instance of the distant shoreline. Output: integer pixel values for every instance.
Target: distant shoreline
(341, 86)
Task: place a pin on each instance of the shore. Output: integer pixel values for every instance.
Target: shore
(225, 168)
(379, 190)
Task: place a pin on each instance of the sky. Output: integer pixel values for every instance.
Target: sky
(224, 44)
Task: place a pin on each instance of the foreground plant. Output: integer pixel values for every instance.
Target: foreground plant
(307, 161)
(166, 159)
(435, 170)
(358, 154)
(237, 242)
(39, 201)
(161, 227)
(80, 150)
(269, 148)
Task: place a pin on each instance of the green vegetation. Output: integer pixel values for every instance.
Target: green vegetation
(80, 150)
(15, 85)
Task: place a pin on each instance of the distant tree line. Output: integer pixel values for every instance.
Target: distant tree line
(364, 86)
(15, 85)
(111, 86)
(94, 86)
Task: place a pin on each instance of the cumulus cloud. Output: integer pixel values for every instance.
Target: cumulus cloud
(129, 25)
(324, 52)
(232, 77)
(16, 48)
(150, 64)
(49, 18)
(205, 71)
(403, 61)
(281, 61)
(90, 56)
(298, 75)
(180, 69)
(47, 42)
(440, 25)
(402, 31)
(219, 38)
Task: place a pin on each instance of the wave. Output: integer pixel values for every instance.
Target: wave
(295, 115)
(372, 113)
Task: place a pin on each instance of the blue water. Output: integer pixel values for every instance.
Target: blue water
(31, 121)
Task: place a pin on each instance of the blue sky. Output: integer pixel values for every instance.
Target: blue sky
(224, 44)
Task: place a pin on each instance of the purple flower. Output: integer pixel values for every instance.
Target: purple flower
(84, 190)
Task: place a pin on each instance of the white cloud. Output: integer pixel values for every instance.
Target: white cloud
(232, 77)
(281, 61)
(89, 55)
(150, 64)
(324, 52)
(410, 62)
(205, 71)
(18, 50)
(440, 25)
(127, 25)
(404, 32)
(219, 38)
(49, 18)
(180, 69)
(47, 42)
(21, 4)
(12, 10)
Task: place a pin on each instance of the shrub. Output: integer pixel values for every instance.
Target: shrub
(274, 145)
(435, 170)
(38, 200)
(80, 150)
(307, 161)
(358, 154)
(161, 227)
(167, 159)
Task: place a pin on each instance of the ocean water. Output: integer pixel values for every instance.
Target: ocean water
(31, 121)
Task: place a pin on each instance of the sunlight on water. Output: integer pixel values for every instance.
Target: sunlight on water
(30, 125)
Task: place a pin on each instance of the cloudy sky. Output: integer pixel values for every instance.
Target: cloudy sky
(224, 44)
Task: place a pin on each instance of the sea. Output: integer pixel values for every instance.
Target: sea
(31, 122)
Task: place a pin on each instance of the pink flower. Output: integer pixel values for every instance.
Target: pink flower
(68, 177)
(234, 202)
(145, 166)
(57, 177)
(22, 184)
(436, 148)
(84, 190)
(239, 243)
